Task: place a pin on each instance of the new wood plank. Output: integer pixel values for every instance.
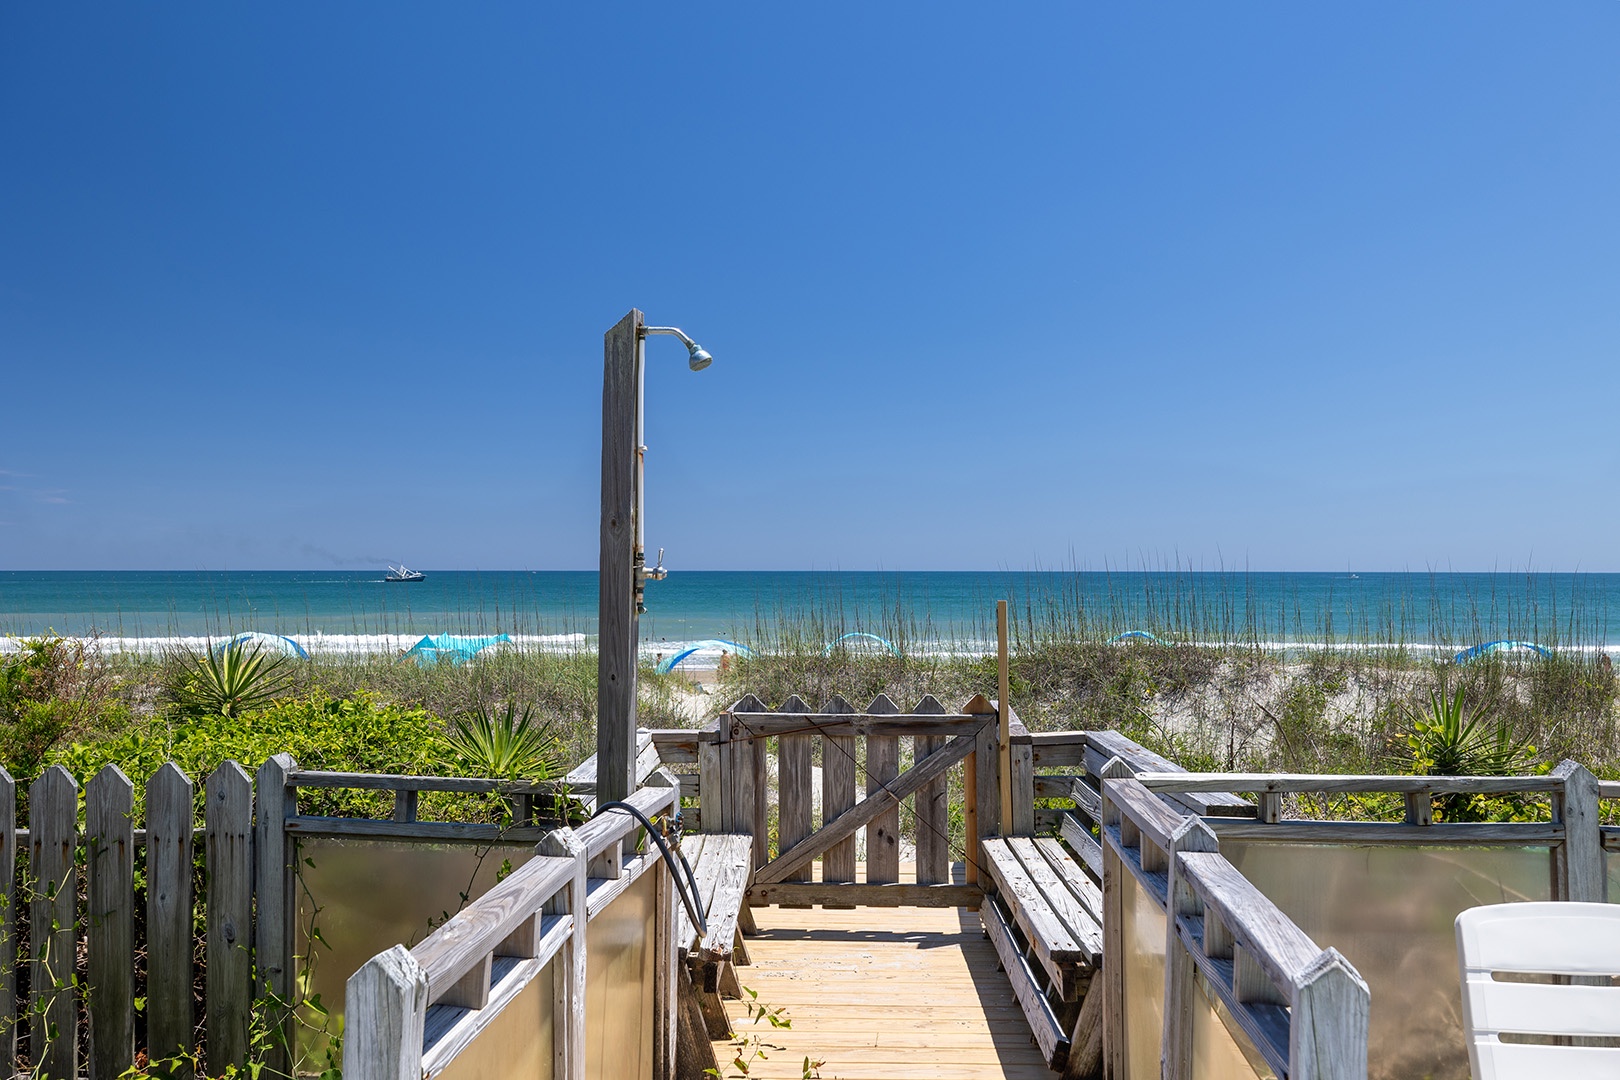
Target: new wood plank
(850, 981)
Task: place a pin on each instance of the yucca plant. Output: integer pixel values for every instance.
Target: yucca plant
(1450, 739)
(504, 744)
(230, 681)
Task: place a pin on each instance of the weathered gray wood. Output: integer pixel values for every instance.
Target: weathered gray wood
(1043, 1022)
(1327, 1034)
(109, 806)
(275, 903)
(568, 1024)
(617, 622)
(8, 916)
(1156, 820)
(1280, 948)
(1269, 807)
(1070, 895)
(439, 832)
(604, 830)
(665, 986)
(1113, 980)
(694, 1052)
(471, 936)
(742, 779)
(1084, 844)
(1058, 749)
(712, 787)
(169, 829)
(1581, 867)
(1388, 832)
(321, 778)
(883, 831)
(1004, 777)
(1180, 973)
(988, 777)
(1046, 932)
(899, 894)
(866, 809)
(385, 1009)
(229, 819)
(405, 803)
(794, 801)
(1086, 1040)
(857, 723)
(53, 811)
(1022, 798)
(931, 811)
(838, 793)
(1107, 744)
(1179, 782)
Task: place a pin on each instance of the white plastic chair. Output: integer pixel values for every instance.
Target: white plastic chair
(1560, 938)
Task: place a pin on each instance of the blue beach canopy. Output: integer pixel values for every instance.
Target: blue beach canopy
(863, 635)
(453, 647)
(1143, 634)
(666, 665)
(285, 645)
(1500, 646)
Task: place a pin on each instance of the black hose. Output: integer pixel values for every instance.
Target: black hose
(688, 899)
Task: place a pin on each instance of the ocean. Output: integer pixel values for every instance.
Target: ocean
(337, 611)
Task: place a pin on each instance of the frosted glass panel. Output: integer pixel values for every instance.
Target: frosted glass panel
(1220, 1050)
(1612, 862)
(365, 896)
(1390, 910)
(517, 1045)
(1142, 931)
(619, 985)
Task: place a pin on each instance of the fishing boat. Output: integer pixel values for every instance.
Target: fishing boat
(400, 573)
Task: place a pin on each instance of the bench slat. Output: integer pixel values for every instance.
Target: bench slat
(1063, 897)
(1047, 934)
(735, 858)
(1043, 1022)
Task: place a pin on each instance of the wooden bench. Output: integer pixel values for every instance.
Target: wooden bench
(722, 863)
(1043, 913)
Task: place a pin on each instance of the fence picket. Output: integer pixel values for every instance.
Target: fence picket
(883, 833)
(793, 754)
(53, 818)
(276, 859)
(838, 794)
(229, 822)
(109, 806)
(932, 816)
(169, 836)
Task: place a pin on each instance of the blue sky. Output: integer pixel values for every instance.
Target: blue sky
(1291, 286)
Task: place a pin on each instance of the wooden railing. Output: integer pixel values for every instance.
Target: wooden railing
(421, 1011)
(1302, 1008)
(1572, 830)
(863, 787)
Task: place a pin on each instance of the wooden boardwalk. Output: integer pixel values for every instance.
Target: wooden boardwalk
(882, 994)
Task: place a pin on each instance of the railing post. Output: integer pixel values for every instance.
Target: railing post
(1327, 1033)
(664, 956)
(568, 1025)
(385, 1005)
(1581, 873)
(1179, 968)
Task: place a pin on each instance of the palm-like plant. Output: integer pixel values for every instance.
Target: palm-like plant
(231, 681)
(1450, 739)
(504, 743)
